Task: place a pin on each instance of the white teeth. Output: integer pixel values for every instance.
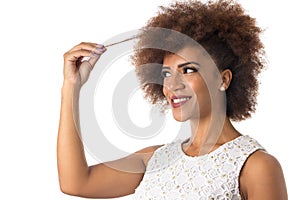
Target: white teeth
(180, 100)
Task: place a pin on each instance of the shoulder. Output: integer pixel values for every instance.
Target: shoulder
(160, 153)
(262, 177)
(150, 149)
(260, 164)
(146, 153)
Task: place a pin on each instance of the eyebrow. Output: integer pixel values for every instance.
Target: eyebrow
(183, 64)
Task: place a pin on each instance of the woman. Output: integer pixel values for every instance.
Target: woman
(228, 166)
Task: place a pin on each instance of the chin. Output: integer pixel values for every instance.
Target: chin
(181, 117)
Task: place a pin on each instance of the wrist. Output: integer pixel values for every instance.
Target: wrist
(70, 87)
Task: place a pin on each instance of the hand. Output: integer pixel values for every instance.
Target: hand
(77, 70)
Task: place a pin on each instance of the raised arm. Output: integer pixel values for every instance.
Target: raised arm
(75, 176)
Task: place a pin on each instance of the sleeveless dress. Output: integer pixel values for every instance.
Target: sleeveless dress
(173, 175)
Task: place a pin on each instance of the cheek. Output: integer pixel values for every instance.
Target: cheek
(198, 86)
(165, 90)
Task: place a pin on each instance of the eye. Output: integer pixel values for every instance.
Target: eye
(189, 69)
(165, 74)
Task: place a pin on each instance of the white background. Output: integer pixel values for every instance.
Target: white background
(34, 36)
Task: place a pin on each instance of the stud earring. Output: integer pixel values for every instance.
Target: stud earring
(222, 88)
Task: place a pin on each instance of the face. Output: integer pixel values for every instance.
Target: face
(185, 89)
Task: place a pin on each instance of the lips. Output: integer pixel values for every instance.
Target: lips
(177, 101)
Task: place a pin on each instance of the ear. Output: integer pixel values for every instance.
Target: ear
(226, 76)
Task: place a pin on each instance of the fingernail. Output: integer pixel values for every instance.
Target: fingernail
(100, 49)
(103, 49)
(100, 45)
(94, 54)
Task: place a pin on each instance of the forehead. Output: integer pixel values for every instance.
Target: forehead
(187, 54)
(173, 60)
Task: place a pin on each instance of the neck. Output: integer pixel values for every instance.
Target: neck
(205, 138)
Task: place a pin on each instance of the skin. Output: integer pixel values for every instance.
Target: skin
(188, 81)
(75, 176)
(261, 177)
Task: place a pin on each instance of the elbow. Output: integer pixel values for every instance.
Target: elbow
(69, 189)
(76, 191)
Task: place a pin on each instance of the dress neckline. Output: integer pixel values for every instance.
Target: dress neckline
(180, 147)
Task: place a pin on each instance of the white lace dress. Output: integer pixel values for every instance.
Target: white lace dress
(173, 175)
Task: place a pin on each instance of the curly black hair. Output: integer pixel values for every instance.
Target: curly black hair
(227, 33)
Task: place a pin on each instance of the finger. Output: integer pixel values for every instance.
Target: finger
(83, 45)
(73, 56)
(93, 47)
(84, 71)
(95, 58)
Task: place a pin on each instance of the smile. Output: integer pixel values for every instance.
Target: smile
(178, 101)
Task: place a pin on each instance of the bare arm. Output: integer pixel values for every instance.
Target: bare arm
(75, 176)
(262, 178)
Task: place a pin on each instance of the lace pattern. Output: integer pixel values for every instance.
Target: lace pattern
(173, 175)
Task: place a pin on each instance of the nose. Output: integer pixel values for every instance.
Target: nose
(175, 82)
